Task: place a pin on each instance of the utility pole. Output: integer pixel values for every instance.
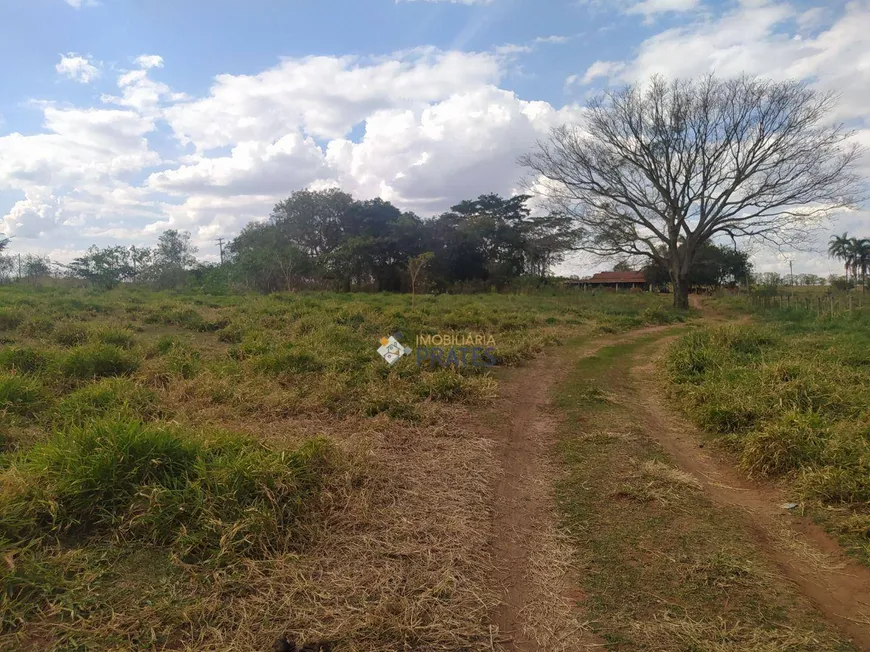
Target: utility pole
(19, 267)
(220, 242)
(791, 271)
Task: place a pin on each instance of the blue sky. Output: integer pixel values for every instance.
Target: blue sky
(121, 118)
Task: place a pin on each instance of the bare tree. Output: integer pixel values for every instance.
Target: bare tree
(657, 170)
(415, 266)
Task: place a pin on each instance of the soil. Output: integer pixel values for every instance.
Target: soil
(541, 596)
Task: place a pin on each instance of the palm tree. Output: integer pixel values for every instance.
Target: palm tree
(840, 246)
(861, 253)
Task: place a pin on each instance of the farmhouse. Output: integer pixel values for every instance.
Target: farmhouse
(615, 280)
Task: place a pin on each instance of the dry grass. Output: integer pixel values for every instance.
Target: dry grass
(393, 553)
(395, 560)
(662, 567)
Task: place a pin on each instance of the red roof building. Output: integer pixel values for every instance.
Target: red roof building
(614, 280)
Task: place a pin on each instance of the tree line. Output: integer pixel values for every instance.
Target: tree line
(658, 172)
(328, 240)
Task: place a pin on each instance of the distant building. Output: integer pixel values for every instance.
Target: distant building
(614, 280)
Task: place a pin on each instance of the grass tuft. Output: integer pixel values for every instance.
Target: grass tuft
(21, 395)
(97, 361)
(209, 496)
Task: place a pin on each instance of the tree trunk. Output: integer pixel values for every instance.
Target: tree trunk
(681, 293)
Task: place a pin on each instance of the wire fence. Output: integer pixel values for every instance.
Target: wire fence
(822, 305)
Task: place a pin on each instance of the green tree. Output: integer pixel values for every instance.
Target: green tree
(105, 267)
(34, 267)
(714, 265)
(314, 220)
(263, 258)
(173, 256)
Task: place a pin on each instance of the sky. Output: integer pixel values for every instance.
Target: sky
(122, 118)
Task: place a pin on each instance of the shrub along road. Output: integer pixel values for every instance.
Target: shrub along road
(657, 543)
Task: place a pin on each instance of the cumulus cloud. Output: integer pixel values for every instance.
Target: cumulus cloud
(77, 68)
(74, 168)
(35, 215)
(429, 159)
(325, 96)
(252, 168)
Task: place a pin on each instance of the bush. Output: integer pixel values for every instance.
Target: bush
(108, 397)
(98, 361)
(209, 496)
(21, 395)
(22, 359)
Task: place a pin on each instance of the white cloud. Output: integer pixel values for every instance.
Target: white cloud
(252, 168)
(325, 96)
(140, 92)
(555, 38)
(757, 38)
(650, 7)
(147, 61)
(429, 159)
(77, 68)
(75, 168)
(33, 216)
(598, 69)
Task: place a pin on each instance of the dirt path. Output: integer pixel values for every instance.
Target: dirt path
(537, 606)
(541, 602)
(801, 550)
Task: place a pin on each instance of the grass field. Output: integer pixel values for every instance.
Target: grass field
(790, 395)
(202, 472)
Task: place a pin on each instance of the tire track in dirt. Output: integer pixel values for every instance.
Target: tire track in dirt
(802, 551)
(541, 603)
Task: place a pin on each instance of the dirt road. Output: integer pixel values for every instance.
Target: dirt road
(639, 538)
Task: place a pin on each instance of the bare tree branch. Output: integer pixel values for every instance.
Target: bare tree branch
(660, 169)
